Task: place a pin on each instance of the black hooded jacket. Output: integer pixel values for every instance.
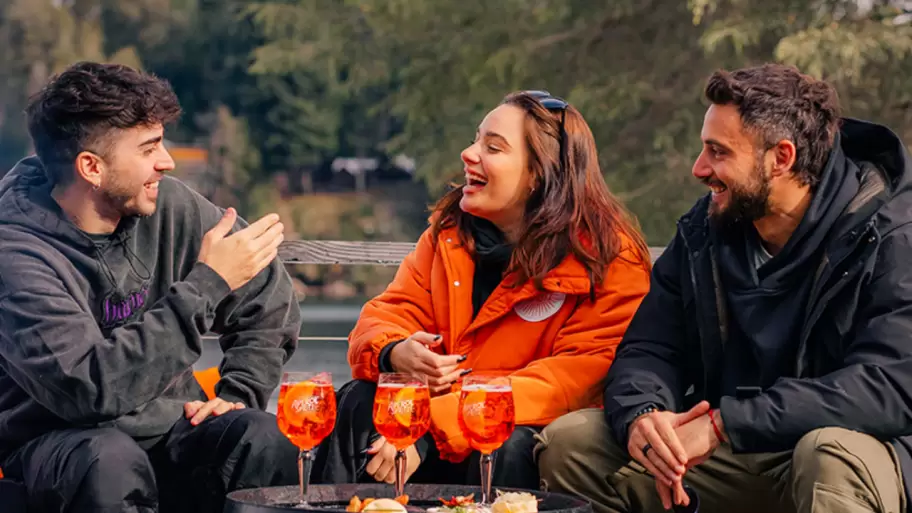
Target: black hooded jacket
(849, 352)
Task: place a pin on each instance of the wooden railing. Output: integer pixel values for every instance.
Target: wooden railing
(359, 253)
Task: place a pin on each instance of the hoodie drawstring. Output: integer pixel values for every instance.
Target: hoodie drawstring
(103, 263)
(129, 254)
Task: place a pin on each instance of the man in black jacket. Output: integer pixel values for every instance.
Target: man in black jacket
(770, 366)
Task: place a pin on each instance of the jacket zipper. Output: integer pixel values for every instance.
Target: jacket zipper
(701, 321)
(821, 301)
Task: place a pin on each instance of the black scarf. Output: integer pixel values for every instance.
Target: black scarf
(492, 256)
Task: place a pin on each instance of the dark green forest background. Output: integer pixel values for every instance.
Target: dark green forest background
(276, 91)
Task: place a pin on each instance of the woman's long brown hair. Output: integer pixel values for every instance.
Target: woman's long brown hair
(570, 210)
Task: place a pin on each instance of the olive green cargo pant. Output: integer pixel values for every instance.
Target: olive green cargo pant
(831, 470)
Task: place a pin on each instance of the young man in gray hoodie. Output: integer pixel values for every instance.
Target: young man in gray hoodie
(110, 274)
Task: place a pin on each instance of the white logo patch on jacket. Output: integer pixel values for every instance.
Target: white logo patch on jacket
(540, 307)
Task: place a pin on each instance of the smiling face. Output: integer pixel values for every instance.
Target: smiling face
(733, 168)
(127, 177)
(498, 180)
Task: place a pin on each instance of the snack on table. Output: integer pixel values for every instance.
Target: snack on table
(460, 504)
(459, 500)
(506, 502)
(397, 505)
(515, 502)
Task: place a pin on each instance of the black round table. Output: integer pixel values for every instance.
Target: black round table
(336, 497)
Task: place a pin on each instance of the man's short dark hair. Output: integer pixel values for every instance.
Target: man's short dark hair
(81, 106)
(779, 102)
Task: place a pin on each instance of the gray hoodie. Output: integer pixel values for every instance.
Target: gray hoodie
(100, 333)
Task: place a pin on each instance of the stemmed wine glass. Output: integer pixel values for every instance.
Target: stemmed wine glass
(306, 415)
(487, 419)
(402, 415)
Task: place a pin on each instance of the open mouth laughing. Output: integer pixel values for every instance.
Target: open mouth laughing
(475, 182)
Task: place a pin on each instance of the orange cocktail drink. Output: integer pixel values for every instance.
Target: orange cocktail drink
(306, 415)
(487, 418)
(307, 412)
(402, 415)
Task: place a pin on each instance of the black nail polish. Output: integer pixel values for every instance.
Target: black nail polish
(463, 373)
(462, 358)
(437, 337)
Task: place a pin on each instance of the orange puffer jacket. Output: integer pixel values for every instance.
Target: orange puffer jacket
(556, 345)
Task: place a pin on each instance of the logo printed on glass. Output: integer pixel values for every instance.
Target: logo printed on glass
(475, 409)
(306, 405)
(401, 407)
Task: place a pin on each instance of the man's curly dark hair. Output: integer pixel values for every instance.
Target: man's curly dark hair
(778, 102)
(80, 108)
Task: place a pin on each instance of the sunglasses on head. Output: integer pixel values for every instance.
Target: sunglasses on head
(553, 103)
(549, 102)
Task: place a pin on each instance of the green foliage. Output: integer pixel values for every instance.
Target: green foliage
(295, 83)
(634, 68)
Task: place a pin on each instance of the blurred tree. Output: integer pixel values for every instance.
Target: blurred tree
(864, 47)
(233, 160)
(39, 38)
(634, 68)
(284, 86)
(448, 62)
(341, 106)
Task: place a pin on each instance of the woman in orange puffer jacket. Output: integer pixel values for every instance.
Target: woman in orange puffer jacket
(531, 269)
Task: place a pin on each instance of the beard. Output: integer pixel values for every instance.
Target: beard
(747, 202)
(123, 199)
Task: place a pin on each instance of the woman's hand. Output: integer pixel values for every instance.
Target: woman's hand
(413, 356)
(382, 466)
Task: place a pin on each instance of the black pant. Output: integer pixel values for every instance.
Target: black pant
(190, 469)
(341, 458)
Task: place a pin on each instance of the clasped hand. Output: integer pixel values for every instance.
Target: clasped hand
(676, 442)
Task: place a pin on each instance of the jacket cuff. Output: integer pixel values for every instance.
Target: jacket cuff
(739, 423)
(208, 283)
(364, 355)
(232, 395)
(384, 359)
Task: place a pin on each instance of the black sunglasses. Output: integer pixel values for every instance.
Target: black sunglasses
(553, 103)
(549, 102)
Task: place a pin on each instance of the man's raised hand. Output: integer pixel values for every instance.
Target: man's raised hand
(238, 257)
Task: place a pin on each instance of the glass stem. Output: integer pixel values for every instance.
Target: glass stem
(400, 473)
(305, 463)
(486, 464)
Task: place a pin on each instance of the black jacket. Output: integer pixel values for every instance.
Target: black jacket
(854, 349)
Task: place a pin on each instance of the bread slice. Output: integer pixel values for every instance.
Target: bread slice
(384, 505)
(515, 502)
